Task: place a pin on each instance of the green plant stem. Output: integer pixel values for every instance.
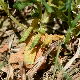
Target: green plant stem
(49, 2)
(75, 21)
(17, 22)
(2, 5)
(40, 10)
(58, 51)
(69, 12)
(5, 8)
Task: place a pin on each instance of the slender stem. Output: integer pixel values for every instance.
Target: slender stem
(58, 51)
(4, 6)
(49, 2)
(17, 22)
(69, 12)
(40, 10)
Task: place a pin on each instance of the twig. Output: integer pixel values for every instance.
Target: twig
(73, 58)
(15, 50)
(22, 70)
(9, 32)
(74, 66)
(11, 40)
(10, 72)
(41, 60)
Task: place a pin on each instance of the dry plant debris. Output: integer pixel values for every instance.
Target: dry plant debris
(22, 62)
(31, 56)
(5, 48)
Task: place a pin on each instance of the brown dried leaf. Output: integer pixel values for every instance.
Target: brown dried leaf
(5, 48)
(47, 41)
(54, 37)
(15, 66)
(14, 58)
(39, 52)
(19, 56)
(9, 70)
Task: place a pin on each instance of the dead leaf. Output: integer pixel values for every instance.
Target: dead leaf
(47, 40)
(9, 70)
(21, 51)
(29, 55)
(39, 52)
(19, 56)
(15, 66)
(29, 66)
(54, 37)
(5, 48)
(14, 58)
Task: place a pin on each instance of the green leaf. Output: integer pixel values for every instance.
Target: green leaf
(71, 28)
(78, 2)
(58, 51)
(59, 13)
(20, 5)
(26, 34)
(75, 21)
(22, 0)
(48, 7)
(67, 76)
(69, 12)
(32, 1)
(2, 64)
(36, 13)
(78, 33)
(35, 41)
(42, 30)
(46, 16)
(68, 36)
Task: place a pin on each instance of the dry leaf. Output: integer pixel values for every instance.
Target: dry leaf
(14, 58)
(5, 48)
(39, 52)
(47, 40)
(29, 55)
(29, 66)
(19, 56)
(21, 51)
(54, 37)
(15, 66)
(9, 70)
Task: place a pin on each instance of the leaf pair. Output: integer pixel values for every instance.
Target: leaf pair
(28, 31)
